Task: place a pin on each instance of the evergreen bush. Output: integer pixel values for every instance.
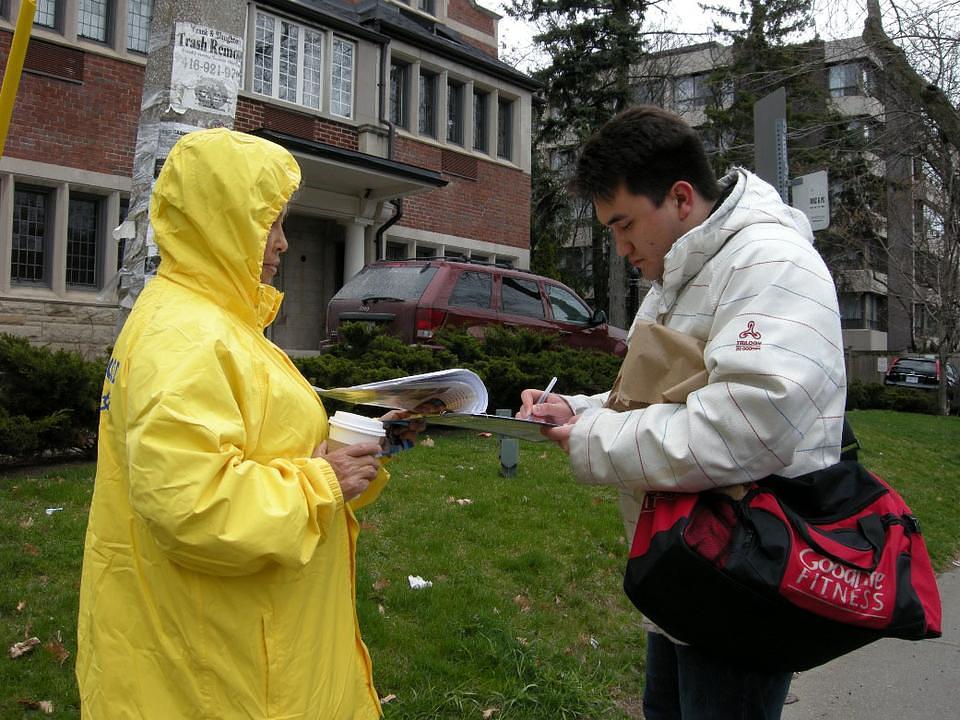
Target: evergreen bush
(49, 399)
(876, 396)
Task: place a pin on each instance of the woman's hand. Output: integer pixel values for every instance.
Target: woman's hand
(554, 409)
(354, 465)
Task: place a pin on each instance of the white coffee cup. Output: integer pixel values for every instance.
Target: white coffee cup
(349, 429)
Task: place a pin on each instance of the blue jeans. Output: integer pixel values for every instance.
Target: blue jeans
(682, 682)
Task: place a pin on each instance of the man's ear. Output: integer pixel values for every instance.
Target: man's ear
(683, 196)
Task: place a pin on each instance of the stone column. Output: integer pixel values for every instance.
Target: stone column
(354, 255)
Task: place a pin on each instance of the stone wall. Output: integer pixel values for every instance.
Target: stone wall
(86, 328)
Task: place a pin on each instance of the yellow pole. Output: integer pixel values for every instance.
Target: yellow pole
(11, 76)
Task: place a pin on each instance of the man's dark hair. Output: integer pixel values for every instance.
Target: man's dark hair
(647, 149)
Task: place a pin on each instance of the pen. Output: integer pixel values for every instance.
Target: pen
(543, 397)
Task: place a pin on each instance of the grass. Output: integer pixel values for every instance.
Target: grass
(525, 617)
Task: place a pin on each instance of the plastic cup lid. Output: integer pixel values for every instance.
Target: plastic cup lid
(358, 423)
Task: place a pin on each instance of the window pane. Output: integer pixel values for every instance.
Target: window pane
(567, 307)
(399, 93)
(845, 79)
(341, 88)
(426, 6)
(521, 297)
(455, 112)
(28, 255)
(287, 80)
(428, 104)
(480, 101)
(46, 13)
(92, 19)
(424, 251)
(312, 67)
(82, 229)
(472, 290)
(505, 129)
(139, 13)
(263, 56)
(395, 251)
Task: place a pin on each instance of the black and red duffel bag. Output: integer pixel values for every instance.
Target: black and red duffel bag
(797, 572)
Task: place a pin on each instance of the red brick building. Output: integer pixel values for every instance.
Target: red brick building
(413, 138)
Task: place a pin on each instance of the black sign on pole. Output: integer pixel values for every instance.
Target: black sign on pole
(770, 141)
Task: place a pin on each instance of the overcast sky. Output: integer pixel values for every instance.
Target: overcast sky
(835, 18)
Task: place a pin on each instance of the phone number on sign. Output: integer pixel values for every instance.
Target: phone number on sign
(212, 69)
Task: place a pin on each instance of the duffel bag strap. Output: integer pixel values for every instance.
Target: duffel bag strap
(849, 445)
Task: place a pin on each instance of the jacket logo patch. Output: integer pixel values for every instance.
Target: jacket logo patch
(109, 378)
(749, 338)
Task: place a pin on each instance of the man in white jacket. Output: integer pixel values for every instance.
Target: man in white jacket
(734, 267)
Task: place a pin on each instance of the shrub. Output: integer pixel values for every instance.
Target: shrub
(875, 396)
(49, 399)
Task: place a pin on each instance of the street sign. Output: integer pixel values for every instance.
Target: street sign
(810, 195)
(770, 140)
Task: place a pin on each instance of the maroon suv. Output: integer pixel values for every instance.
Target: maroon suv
(412, 299)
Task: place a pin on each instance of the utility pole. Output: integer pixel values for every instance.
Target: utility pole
(194, 63)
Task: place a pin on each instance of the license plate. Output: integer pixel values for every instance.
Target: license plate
(913, 379)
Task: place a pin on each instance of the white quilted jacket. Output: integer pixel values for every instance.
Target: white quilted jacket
(749, 283)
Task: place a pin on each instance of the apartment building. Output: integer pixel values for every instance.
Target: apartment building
(684, 81)
(413, 138)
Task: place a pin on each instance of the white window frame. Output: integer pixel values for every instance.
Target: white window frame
(275, 85)
(352, 76)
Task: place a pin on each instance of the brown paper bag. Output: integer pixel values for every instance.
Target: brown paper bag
(661, 366)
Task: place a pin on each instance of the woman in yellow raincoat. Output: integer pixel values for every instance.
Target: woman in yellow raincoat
(218, 571)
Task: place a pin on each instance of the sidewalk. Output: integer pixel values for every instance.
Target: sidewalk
(889, 679)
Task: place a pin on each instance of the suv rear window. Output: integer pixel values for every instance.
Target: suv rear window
(920, 366)
(391, 281)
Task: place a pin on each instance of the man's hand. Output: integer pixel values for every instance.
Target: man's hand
(561, 435)
(554, 409)
(354, 465)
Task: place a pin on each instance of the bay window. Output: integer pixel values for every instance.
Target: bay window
(290, 64)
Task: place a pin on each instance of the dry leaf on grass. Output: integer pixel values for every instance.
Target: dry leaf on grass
(381, 584)
(23, 647)
(56, 650)
(44, 706)
(522, 602)
(489, 713)
(459, 501)
(388, 698)
(28, 522)
(426, 442)
(21, 606)
(30, 549)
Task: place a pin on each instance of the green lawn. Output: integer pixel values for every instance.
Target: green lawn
(525, 617)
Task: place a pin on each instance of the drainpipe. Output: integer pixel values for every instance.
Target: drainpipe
(380, 243)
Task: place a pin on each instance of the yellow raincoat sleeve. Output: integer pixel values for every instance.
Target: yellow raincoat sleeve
(214, 501)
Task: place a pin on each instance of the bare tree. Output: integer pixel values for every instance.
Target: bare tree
(920, 64)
